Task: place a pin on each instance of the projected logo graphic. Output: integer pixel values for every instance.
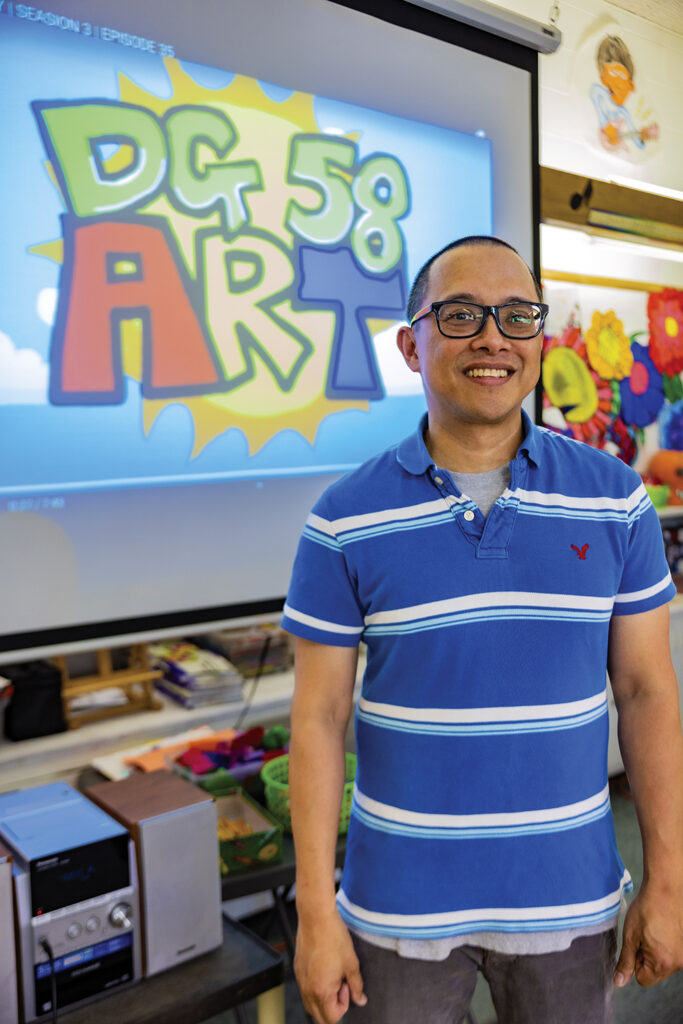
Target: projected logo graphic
(202, 273)
(222, 251)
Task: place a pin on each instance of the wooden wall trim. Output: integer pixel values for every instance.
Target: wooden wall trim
(598, 206)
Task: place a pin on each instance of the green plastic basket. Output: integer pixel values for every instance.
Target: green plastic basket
(275, 776)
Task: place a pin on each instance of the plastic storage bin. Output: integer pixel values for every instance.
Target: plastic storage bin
(275, 776)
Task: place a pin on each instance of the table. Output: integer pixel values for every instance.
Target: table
(279, 878)
(244, 967)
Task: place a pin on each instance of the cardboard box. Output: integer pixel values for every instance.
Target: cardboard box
(260, 848)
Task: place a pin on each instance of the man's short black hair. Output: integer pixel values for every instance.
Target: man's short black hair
(419, 289)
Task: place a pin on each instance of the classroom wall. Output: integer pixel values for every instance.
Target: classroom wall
(568, 122)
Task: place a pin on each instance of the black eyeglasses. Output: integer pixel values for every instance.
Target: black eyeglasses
(457, 319)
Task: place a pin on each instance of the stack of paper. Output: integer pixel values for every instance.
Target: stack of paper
(195, 677)
(255, 650)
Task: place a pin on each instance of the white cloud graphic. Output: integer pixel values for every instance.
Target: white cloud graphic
(46, 305)
(23, 375)
(397, 378)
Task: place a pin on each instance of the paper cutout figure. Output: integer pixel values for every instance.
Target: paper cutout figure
(617, 77)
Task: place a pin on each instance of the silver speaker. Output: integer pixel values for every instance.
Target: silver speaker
(9, 1011)
(173, 825)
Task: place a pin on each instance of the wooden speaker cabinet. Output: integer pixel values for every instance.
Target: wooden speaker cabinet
(173, 825)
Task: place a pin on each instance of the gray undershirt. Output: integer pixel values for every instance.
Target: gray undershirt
(484, 489)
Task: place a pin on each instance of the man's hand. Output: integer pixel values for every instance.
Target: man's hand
(652, 946)
(326, 968)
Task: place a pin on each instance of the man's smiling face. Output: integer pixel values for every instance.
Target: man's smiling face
(479, 380)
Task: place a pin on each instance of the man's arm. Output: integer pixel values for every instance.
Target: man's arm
(646, 693)
(326, 965)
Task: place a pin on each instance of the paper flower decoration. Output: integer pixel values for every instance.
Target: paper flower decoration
(574, 388)
(671, 427)
(608, 348)
(665, 318)
(621, 441)
(569, 385)
(642, 394)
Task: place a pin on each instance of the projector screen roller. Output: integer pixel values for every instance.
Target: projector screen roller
(212, 219)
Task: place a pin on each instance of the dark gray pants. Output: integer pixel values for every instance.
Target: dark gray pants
(571, 987)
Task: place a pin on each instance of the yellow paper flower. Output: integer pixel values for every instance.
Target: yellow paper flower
(608, 348)
(569, 385)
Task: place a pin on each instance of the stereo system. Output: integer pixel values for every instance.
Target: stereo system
(69, 880)
(76, 898)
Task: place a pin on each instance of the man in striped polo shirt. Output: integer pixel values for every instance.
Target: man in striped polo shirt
(494, 570)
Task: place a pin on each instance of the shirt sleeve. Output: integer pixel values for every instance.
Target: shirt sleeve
(322, 602)
(600, 98)
(646, 580)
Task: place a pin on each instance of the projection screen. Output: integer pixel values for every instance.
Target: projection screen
(212, 214)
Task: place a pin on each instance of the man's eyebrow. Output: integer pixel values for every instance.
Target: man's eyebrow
(469, 297)
(466, 296)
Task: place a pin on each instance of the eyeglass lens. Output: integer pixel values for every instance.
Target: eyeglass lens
(463, 319)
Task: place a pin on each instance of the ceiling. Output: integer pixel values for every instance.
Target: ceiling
(668, 14)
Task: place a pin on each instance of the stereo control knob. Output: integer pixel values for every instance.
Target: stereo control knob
(121, 915)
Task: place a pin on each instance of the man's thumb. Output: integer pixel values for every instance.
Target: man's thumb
(623, 972)
(355, 983)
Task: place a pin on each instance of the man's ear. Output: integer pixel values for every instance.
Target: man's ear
(405, 340)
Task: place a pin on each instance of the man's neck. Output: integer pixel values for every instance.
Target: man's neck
(474, 448)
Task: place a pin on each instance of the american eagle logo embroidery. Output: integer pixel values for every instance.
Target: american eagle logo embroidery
(581, 552)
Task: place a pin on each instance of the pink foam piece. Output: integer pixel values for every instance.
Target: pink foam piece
(196, 761)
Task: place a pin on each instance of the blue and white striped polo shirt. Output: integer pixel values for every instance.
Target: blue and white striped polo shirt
(481, 800)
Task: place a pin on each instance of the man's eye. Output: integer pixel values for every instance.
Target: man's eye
(459, 314)
(520, 315)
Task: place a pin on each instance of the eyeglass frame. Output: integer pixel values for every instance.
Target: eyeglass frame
(434, 307)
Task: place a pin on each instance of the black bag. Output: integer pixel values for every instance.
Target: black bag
(35, 708)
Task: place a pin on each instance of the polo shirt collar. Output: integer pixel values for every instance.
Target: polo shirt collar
(412, 452)
(532, 441)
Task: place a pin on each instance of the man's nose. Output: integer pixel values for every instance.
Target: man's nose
(490, 337)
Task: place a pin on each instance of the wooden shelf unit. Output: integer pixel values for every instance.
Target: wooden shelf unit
(136, 683)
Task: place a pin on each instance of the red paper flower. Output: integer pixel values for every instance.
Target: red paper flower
(665, 318)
